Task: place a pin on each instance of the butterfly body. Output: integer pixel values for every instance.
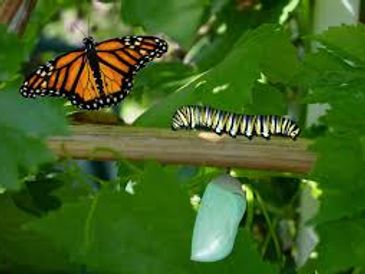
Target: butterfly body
(94, 64)
(97, 75)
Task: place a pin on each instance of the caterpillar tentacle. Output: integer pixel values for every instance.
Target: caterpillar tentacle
(219, 121)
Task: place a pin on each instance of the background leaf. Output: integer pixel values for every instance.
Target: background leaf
(23, 251)
(234, 77)
(347, 236)
(22, 122)
(340, 165)
(345, 40)
(177, 19)
(141, 233)
(12, 54)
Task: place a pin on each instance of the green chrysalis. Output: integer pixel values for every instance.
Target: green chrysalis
(220, 212)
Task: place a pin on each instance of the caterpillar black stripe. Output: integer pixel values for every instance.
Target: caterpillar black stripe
(219, 121)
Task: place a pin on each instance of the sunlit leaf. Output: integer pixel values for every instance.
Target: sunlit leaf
(229, 85)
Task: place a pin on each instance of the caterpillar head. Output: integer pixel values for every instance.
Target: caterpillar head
(294, 133)
(177, 123)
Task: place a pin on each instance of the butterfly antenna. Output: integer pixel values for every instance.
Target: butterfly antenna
(88, 25)
(75, 26)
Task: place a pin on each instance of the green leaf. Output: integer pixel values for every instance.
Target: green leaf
(252, 261)
(159, 115)
(326, 70)
(159, 79)
(267, 100)
(21, 122)
(19, 152)
(115, 230)
(41, 117)
(335, 76)
(229, 84)
(362, 141)
(348, 41)
(37, 197)
(11, 55)
(339, 167)
(340, 170)
(140, 232)
(244, 259)
(177, 19)
(229, 25)
(24, 251)
(342, 245)
(337, 152)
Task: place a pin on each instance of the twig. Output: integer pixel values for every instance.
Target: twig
(104, 142)
(271, 226)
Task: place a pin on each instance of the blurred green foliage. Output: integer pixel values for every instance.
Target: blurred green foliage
(336, 75)
(225, 53)
(156, 17)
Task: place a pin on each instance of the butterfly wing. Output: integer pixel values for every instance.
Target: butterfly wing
(72, 76)
(121, 58)
(53, 77)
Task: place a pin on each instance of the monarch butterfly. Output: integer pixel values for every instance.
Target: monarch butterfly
(205, 117)
(97, 75)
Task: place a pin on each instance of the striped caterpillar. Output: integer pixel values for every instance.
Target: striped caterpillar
(205, 117)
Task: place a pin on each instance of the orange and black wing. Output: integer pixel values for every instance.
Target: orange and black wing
(61, 77)
(120, 59)
(72, 76)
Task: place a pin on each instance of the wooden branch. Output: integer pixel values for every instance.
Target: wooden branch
(108, 142)
(16, 13)
(8, 10)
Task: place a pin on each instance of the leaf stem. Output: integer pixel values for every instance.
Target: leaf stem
(269, 224)
(250, 205)
(87, 227)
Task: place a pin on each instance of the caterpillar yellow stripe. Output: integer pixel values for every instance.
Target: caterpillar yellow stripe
(219, 121)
